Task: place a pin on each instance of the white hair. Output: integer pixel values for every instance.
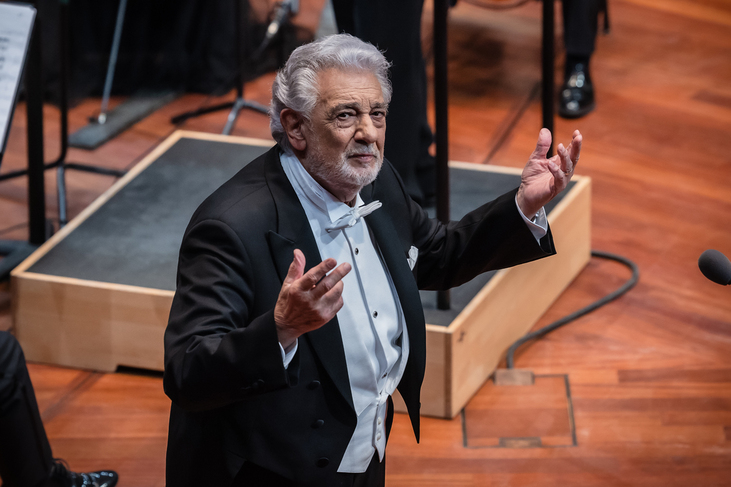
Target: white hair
(295, 85)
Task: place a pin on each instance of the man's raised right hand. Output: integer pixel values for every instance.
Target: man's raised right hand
(306, 302)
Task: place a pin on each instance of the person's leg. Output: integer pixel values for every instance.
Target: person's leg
(395, 28)
(576, 97)
(25, 454)
(26, 459)
(374, 476)
(580, 26)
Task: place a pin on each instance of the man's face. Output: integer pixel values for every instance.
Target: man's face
(346, 133)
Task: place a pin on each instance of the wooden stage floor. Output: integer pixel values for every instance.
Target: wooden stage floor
(648, 377)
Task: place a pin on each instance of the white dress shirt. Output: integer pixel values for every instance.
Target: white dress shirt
(371, 320)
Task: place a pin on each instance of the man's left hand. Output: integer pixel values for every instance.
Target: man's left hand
(543, 178)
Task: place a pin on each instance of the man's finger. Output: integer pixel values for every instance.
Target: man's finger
(543, 144)
(575, 147)
(296, 268)
(567, 165)
(333, 299)
(331, 280)
(313, 276)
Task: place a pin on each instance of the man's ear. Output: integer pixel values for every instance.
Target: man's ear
(293, 124)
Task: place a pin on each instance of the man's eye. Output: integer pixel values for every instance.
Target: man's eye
(378, 114)
(344, 115)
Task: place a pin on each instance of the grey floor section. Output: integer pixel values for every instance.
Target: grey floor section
(134, 237)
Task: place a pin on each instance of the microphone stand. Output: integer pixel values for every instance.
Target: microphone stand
(286, 8)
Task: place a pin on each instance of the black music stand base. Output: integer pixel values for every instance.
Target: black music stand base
(131, 111)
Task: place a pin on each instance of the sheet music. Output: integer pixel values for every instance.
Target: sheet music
(16, 21)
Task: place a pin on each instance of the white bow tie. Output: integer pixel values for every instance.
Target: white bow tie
(352, 217)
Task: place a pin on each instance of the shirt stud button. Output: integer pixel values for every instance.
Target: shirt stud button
(356, 251)
(375, 314)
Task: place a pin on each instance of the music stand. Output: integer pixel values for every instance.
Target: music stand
(20, 45)
(60, 162)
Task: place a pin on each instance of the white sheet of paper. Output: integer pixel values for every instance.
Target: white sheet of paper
(16, 21)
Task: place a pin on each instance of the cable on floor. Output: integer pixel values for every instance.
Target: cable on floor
(629, 284)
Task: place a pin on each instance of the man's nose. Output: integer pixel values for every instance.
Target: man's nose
(366, 132)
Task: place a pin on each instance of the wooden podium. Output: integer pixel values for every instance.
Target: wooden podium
(97, 295)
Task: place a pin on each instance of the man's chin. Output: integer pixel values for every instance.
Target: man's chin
(366, 175)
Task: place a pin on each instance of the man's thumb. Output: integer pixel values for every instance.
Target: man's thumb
(296, 268)
(544, 143)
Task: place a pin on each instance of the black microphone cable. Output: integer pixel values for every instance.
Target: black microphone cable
(629, 284)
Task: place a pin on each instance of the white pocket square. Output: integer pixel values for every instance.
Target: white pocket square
(413, 256)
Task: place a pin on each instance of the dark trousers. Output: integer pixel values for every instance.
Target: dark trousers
(25, 454)
(394, 26)
(580, 26)
(254, 476)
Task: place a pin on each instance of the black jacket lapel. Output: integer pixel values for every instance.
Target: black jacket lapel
(293, 231)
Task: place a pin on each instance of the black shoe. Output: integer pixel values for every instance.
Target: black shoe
(576, 98)
(61, 475)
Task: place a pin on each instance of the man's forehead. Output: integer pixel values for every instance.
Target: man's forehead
(356, 88)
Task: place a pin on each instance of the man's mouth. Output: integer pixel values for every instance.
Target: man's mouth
(364, 156)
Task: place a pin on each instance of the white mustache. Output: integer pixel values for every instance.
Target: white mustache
(371, 150)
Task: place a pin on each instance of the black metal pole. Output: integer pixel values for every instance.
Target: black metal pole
(240, 11)
(547, 62)
(441, 105)
(34, 108)
(65, 57)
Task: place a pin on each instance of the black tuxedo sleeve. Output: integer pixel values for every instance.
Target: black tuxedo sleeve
(493, 236)
(217, 349)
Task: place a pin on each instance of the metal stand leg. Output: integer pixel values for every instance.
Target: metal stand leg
(112, 61)
(547, 65)
(441, 103)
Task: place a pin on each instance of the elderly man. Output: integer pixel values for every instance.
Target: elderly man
(297, 311)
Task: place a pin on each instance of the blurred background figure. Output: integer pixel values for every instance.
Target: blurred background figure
(395, 28)
(25, 454)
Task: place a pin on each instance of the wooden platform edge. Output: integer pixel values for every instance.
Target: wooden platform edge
(97, 327)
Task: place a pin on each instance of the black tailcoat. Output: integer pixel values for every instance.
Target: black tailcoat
(233, 400)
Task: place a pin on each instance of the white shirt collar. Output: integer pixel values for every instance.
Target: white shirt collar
(306, 185)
